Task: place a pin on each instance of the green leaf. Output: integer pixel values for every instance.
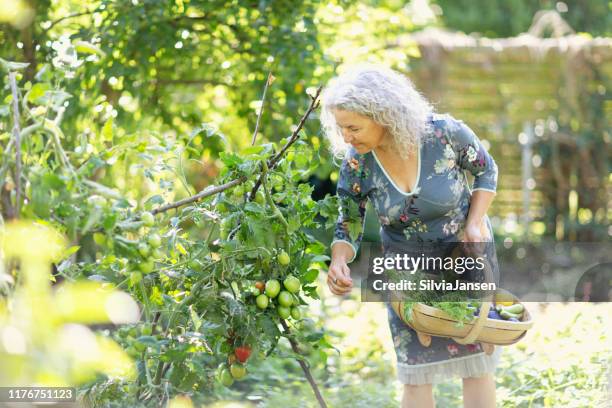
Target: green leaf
(107, 130)
(197, 321)
(319, 258)
(251, 150)
(257, 231)
(88, 48)
(268, 326)
(13, 65)
(38, 91)
(210, 131)
(109, 221)
(94, 217)
(156, 296)
(54, 98)
(41, 201)
(294, 223)
(314, 337)
(323, 356)
(53, 181)
(310, 276)
(310, 291)
(156, 199)
(230, 159)
(148, 340)
(253, 207)
(69, 251)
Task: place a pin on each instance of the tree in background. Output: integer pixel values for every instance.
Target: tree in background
(507, 18)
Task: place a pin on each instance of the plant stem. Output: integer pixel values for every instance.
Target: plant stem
(277, 213)
(17, 136)
(307, 373)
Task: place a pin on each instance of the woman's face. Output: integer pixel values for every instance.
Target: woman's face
(360, 131)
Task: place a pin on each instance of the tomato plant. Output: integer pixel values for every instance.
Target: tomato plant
(219, 276)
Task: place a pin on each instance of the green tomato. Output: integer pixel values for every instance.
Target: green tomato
(147, 329)
(238, 371)
(99, 238)
(140, 347)
(272, 288)
(296, 313)
(222, 207)
(284, 312)
(223, 233)
(132, 352)
(260, 198)
(292, 284)
(146, 266)
(283, 258)
(144, 249)
(285, 299)
(277, 184)
(154, 240)
(148, 219)
(225, 377)
(225, 228)
(158, 254)
(238, 192)
(195, 265)
(262, 301)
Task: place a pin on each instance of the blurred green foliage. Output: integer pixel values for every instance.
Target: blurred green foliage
(507, 18)
(159, 90)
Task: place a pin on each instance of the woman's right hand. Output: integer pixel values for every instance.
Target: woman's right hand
(339, 278)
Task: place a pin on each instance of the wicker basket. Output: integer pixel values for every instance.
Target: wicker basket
(429, 321)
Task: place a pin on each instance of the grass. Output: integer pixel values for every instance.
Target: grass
(564, 360)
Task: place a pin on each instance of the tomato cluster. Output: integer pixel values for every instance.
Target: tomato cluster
(285, 301)
(235, 367)
(137, 337)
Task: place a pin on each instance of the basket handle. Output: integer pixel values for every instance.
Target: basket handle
(478, 325)
(482, 316)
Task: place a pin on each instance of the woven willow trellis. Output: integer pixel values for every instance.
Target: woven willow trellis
(547, 95)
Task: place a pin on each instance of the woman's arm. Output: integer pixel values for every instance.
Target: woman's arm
(339, 275)
(349, 227)
(475, 229)
(342, 252)
(473, 157)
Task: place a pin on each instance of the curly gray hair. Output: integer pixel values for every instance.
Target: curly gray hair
(383, 95)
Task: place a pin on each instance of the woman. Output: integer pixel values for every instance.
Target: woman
(410, 162)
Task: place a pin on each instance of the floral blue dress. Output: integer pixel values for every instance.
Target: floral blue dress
(435, 211)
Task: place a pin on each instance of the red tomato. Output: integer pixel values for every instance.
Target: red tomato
(243, 353)
(260, 285)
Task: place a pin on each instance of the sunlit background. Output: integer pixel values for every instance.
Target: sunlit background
(530, 77)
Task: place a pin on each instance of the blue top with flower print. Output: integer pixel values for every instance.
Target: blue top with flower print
(436, 209)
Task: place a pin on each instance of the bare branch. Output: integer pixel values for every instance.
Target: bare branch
(263, 99)
(167, 81)
(69, 16)
(314, 103)
(202, 194)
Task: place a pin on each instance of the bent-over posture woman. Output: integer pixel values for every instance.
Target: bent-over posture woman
(410, 163)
